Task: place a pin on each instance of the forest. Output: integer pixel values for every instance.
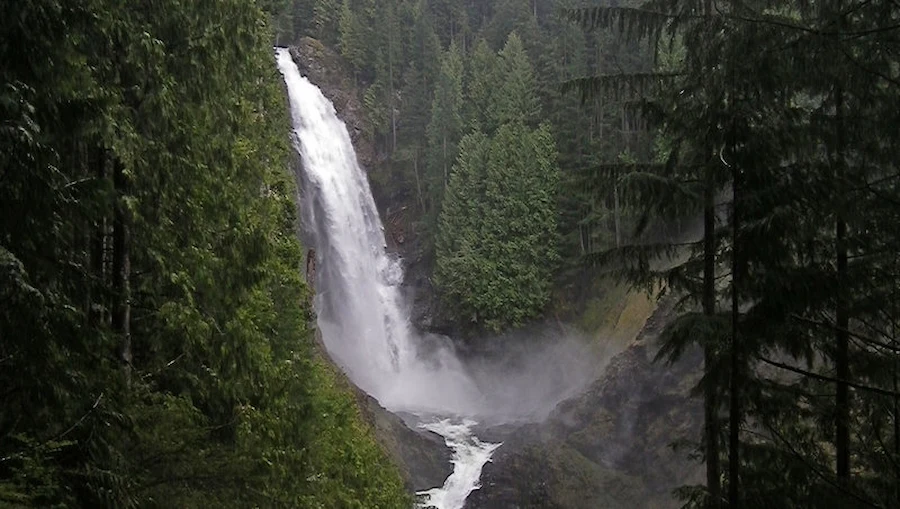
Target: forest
(737, 157)
(155, 340)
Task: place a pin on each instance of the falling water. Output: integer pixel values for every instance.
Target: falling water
(365, 323)
(359, 305)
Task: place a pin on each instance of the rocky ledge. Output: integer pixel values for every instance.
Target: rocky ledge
(328, 71)
(610, 447)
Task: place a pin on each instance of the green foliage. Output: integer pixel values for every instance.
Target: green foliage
(481, 83)
(515, 100)
(155, 343)
(326, 18)
(807, 350)
(496, 244)
(445, 129)
(354, 36)
(430, 73)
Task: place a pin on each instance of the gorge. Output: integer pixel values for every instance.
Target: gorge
(365, 323)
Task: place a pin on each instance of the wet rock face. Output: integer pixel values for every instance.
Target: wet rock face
(423, 458)
(327, 70)
(397, 207)
(609, 447)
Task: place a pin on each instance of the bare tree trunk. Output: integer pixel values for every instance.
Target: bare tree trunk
(121, 271)
(616, 210)
(97, 287)
(391, 91)
(418, 184)
(736, 371)
(842, 362)
(896, 419)
(711, 396)
(842, 318)
(710, 390)
(444, 160)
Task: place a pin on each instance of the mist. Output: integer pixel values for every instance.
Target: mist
(518, 377)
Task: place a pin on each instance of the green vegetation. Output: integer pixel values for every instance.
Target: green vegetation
(496, 245)
(496, 239)
(154, 341)
(435, 72)
(769, 127)
(781, 109)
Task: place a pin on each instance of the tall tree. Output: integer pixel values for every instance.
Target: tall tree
(482, 78)
(445, 129)
(147, 222)
(516, 98)
(496, 243)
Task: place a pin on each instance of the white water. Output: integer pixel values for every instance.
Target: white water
(360, 308)
(469, 457)
(365, 322)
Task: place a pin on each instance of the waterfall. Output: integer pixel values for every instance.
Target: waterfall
(365, 322)
(363, 318)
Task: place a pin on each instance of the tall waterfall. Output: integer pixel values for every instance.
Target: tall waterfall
(365, 323)
(361, 312)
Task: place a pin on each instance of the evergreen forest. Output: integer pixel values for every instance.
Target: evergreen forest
(739, 159)
(156, 348)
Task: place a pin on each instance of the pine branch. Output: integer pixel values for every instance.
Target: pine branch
(863, 68)
(830, 379)
(818, 471)
(781, 22)
(832, 328)
(59, 436)
(635, 23)
(615, 85)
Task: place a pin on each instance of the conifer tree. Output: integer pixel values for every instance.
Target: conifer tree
(154, 323)
(516, 98)
(496, 243)
(446, 126)
(783, 138)
(482, 79)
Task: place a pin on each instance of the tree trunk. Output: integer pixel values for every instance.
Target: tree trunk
(391, 92)
(98, 247)
(896, 420)
(711, 399)
(418, 185)
(842, 362)
(616, 210)
(842, 319)
(444, 160)
(121, 315)
(711, 396)
(734, 408)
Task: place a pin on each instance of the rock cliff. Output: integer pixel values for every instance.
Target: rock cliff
(610, 447)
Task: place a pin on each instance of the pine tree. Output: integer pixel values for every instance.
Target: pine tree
(446, 126)
(516, 99)
(689, 176)
(355, 38)
(482, 78)
(496, 245)
(155, 327)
